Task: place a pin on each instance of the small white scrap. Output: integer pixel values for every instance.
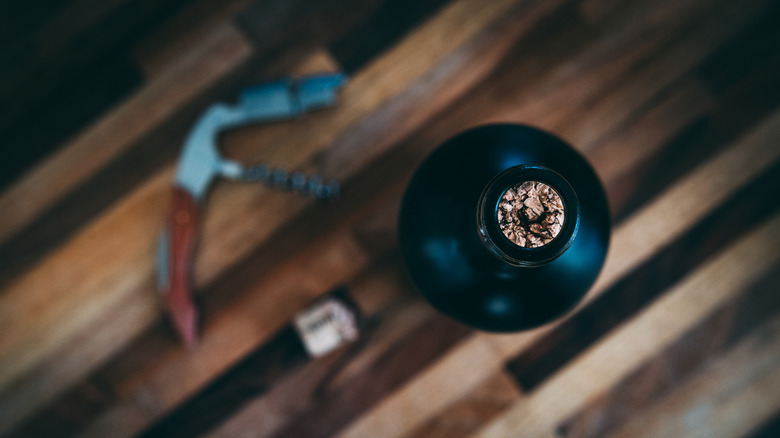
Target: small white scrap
(325, 326)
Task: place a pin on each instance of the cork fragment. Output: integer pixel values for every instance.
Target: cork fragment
(530, 214)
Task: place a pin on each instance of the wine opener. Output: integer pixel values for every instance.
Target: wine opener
(200, 163)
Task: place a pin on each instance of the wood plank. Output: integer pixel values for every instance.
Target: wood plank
(737, 60)
(229, 336)
(380, 30)
(701, 35)
(119, 177)
(70, 107)
(394, 321)
(444, 86)
(548, 354)
(267, 414)
(370, 194)
(128, 313)
(769, 429)
(277, 25)
(119, 130)
(183, 35)
(706, 187)
(391, 370)
(709, 287)
(684, 359)
(626, 160)
(400, 314)
(633, 243)
(59, 74)
(118, 274)
(736, 106)
(400, 112)
(64, 419)
(719, 402)
(545, 63)
(251, 378)
(152, 150)
(466, 416)
(153, 381)
(568, 93)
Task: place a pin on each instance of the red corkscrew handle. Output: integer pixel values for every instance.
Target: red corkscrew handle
(182, 223)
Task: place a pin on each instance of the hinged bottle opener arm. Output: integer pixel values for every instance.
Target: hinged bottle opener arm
(200, 163)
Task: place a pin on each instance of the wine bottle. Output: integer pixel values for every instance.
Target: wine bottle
(504, 227)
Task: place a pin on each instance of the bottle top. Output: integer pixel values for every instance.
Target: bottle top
(528, 215)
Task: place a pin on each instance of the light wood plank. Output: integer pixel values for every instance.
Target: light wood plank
(61, 350)
(267, 306)
(654, 226)
(280, 405)
(734, 395)
(645, 335)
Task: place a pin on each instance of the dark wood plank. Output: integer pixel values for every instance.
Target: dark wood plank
(66, 110)
(680, 361)
(466, 416)
(162, 146)
(732, 219)
(20, 17)
(67, 68)
(247, 380)
(279, 23)
(334, 410)
(698, 141)
(744, 95)
(771, 429)
(380, 30)
(69, 414)
(391, 313)
(736, 61)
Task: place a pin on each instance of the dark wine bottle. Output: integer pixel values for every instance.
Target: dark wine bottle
(504, 227)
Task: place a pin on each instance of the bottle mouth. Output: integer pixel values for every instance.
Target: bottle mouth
(528, 215)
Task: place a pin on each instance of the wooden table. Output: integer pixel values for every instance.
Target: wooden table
(676, 104)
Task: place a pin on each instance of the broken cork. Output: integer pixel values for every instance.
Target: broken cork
(530, 214)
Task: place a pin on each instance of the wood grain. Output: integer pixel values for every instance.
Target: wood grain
(711, 285)
(466, 416)
(699, 348)
(99, 144)
(391, 315)
(363, 93)
(674, 102)
(63, 68)
(646, 282)
(715, 403)
(699, 192)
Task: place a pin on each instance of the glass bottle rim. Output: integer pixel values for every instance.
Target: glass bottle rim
(494, 238)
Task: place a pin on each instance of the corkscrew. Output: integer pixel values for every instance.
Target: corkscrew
(299, 182)
(200, 164)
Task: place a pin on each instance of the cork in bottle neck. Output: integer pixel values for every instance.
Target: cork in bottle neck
(528, 215)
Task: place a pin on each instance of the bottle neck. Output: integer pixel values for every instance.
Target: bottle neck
(528, 215)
